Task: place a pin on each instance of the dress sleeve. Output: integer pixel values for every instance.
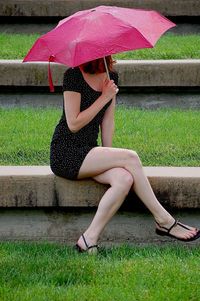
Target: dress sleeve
(71, 81)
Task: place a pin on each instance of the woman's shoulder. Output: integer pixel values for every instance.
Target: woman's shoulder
(71, 80)
(72, 72)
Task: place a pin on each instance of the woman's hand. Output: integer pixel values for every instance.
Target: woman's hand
(77, 119)
(109, 90)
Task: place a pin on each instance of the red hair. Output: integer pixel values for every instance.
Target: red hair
(98, 66)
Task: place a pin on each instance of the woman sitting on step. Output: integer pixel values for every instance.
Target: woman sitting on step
(89, 104)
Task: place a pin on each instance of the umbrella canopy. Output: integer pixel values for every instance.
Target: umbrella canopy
(98, 32)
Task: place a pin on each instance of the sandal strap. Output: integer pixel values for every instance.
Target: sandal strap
(89, 247)
(93, 246)
(85, 241)
(168, 229)
(174, 224)
(183, 226)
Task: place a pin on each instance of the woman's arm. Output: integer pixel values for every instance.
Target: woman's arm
(76, 119)
(107, 125)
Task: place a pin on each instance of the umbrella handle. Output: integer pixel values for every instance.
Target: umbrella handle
(107, 72)
(106, 66)
(51, 86)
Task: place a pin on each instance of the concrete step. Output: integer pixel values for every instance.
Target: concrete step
(132, 73)
(138, 99)
(40, 27)
(37, 186)
(36, 205)
(66, 225)
(62, 8)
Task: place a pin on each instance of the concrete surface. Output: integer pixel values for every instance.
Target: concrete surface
(144, 99)
(26, 189)
(36, 186)
(182, 100)
(42, 28)
(132, 73)
(67, 7)
(66, 225)
(170, 73)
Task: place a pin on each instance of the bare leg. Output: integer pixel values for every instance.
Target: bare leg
(101, 159)
(121, 181)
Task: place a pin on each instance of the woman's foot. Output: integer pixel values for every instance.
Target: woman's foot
(177, 230)
(86, 244)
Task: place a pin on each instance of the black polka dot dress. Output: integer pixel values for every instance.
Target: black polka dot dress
(68, 150)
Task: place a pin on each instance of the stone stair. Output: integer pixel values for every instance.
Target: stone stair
(41, 16)
(150, 84)
(62, 8)
(146, 84)
(35, 204)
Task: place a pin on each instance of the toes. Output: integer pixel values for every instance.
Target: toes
(184, 233)
(191, 234)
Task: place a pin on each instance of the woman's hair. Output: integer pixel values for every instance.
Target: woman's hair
(98, 66)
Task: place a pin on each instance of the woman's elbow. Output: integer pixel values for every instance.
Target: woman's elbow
(73, 127)
(73, 130)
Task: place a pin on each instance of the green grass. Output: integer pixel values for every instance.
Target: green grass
(165, 137)
(42, 271)
(15, 46)
(170, 46)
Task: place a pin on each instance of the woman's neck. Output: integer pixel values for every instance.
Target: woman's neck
(95, 81)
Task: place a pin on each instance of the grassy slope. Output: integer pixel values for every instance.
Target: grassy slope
(37, 272)
(168, 137)
(170, 46)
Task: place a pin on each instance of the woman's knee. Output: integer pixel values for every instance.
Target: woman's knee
(123, 179)
(132, 158)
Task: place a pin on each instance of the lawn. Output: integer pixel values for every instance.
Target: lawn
(53, 272)
(170, 46)
(42, 271)
(164, 137)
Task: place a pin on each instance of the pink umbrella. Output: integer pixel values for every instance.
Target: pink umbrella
(98, 32)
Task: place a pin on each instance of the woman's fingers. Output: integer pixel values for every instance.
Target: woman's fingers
(111, 83)
(108, 81)
(110, 88)
(115, 87)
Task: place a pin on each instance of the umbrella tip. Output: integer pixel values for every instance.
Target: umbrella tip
(51, 58)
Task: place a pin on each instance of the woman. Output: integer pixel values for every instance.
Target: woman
(89, 103)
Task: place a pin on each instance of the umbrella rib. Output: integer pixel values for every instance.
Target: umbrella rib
(52, 54)
(133, 27)
(142, 36)
(130, 27)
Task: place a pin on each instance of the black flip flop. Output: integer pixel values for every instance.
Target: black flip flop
(167, 233)
(81, 250)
